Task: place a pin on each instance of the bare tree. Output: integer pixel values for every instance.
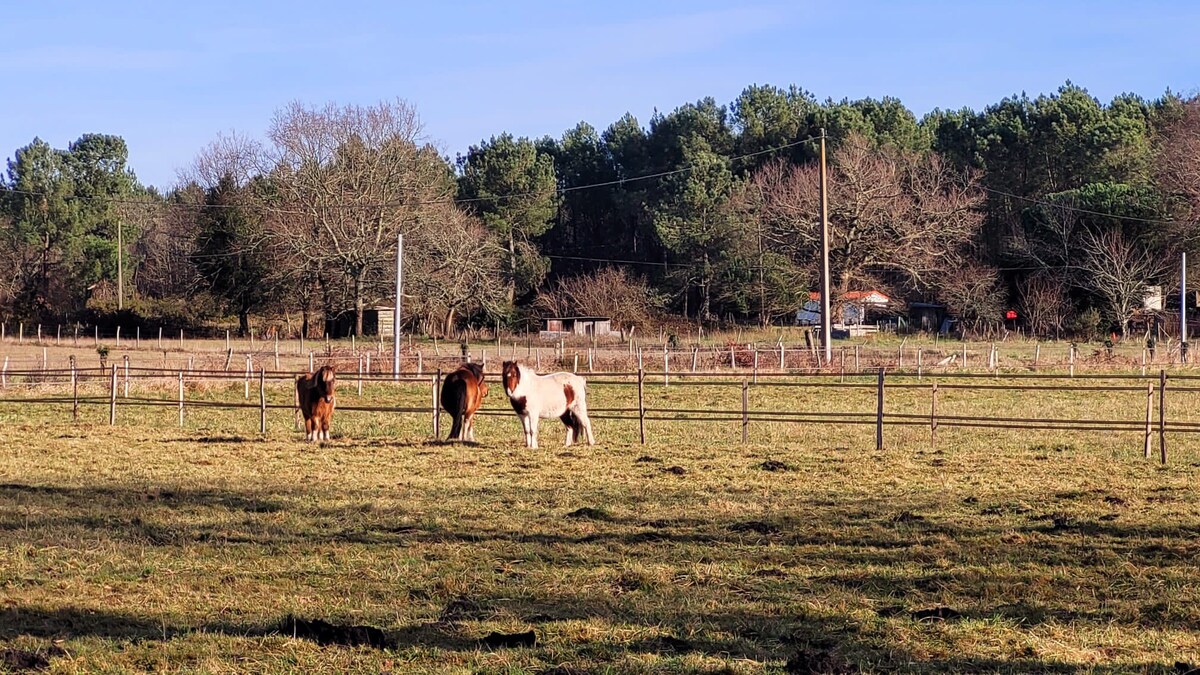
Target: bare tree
(972, 292)
(894, 216)
(1117, 269)
(456, 267)
(609, 292)
(1043, 301)
(1179, 157)
(166, 244)
(348, 180)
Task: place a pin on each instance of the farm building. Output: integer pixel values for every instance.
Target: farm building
(562, 326)
(377, 320)
(856, 305)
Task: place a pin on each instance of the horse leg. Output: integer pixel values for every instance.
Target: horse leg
(309, 427)
(531, 441)
(583, 421)
(471, 427)
(568, 421)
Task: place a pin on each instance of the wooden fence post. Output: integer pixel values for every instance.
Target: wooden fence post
(160, 337)
(695, 357)
(126, 378)
(574, 366)
(138, 340)
(4, 374)
(437, 404)
(732, 358)
(181, 398)
(247, 380)
(879, 411)
(933, 424)
(1037, 355)
(782, 361)
(1071, 359)
(21, 333)
(39, 333)
(756, 365)
(74, 391)
(310, 363)
(262, 401)
(1162, 416)
(1149, 414)
(420, 363)
(745, 410)
(112, 398)
(964, 360)
(181, 340)
(666, 367)
(360, 364)
(856, 358)
(641, 405)
(227, 345)
(920, 364)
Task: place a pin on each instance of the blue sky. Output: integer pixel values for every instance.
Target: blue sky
(169, 77)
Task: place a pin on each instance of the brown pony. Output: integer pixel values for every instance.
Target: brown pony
(314, 397)
(462, 395)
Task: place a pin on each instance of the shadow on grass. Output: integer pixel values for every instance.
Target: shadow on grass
(801, 644)
(855, 539)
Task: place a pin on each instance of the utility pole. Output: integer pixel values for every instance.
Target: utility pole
(120, 268)
(396, 315)
(1183, 345)
(826, 318)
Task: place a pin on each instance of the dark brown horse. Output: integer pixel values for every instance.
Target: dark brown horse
(462, 396)
(315, 398)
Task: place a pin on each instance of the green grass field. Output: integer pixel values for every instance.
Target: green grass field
(147, 546)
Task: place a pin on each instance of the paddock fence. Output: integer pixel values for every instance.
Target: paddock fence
(1147, 415)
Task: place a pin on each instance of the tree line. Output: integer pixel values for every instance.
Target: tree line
(1059, 205)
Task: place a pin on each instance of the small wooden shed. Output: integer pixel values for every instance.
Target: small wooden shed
(588, 326)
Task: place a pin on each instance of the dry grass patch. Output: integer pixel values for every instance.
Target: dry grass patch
(146, 546)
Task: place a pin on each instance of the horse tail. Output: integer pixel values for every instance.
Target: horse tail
(454, 400)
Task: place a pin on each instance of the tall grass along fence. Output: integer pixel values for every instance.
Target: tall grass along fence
(1145, 397)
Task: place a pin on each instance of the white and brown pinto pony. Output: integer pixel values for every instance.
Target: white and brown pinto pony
(315, 399)
(462, 395)
(535, 397)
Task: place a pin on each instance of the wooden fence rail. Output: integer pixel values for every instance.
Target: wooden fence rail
(37, 381)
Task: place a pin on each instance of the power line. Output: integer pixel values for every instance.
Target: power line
(1076, 209)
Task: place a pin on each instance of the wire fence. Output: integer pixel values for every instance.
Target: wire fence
(125, 386)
